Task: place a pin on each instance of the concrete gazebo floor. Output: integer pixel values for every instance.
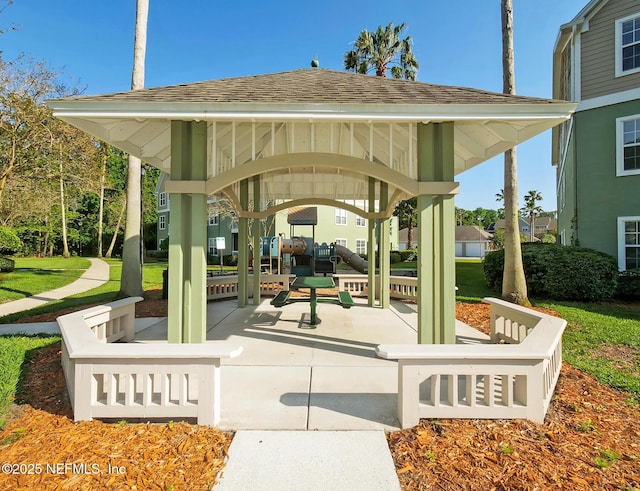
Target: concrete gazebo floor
(293, 378)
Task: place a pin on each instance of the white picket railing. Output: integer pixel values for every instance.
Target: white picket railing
(483, 381)
(226, 286)
(136, 380)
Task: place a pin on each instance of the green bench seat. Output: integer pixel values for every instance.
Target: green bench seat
(345, 300)
(281, 299)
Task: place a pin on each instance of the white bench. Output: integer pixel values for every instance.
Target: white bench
(137, 380)
(486, 380)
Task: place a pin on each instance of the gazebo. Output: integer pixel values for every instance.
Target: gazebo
(312, 136)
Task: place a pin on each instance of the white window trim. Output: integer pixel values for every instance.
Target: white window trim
(621, 245)
(361, 221)
(620, 172)
(341, 213)
(162, 222)
(562, 192)
(162, 200)
(618, 47)
(213, 219)
(362, 241)
(343, 242)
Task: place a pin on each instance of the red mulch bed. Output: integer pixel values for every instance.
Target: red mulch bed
(590, 440)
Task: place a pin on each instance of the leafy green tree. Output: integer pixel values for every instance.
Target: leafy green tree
(9, 241)
(382, 51)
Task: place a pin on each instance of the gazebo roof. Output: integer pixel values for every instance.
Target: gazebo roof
(313, 135)
(314, 86)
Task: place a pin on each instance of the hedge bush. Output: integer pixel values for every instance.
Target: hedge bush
(628, 284)
(395, 257)
(9, 242)
(559, 272)
(6, 265)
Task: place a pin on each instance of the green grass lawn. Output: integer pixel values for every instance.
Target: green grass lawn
(36, 275)
(15, 351)
(152, 278)
(603, 340)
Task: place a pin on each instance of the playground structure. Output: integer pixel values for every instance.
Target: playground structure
(301, 256)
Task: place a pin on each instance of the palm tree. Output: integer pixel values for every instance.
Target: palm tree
(407, 211)
(383, 50)
(131, 277)
(531, 209)
(514, 284)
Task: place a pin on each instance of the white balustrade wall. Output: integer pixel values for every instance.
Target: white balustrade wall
(486, 380)
(137, 380)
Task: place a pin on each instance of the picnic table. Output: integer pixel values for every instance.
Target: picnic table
(312, 283)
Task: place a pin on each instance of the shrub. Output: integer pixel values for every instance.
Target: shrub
(395, 257)
(6, 265)
(9, 241)
(164, 244)
(628, 284)
(559, 272)
(159, 254)
(230, 260)
(408, 254)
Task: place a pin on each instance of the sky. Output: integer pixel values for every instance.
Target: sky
(456, 42)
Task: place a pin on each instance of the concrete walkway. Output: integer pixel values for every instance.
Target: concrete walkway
(96, 275)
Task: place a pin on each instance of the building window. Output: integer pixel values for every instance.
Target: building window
(628, 243)
(563, 237)
(562, 191)
(361, 246)
(213, 219)
(162, 222)
(213, 251)
(628, 145)
(341, 242)
(360, 222)
(341, 216)
(628, 45)
(162, 200)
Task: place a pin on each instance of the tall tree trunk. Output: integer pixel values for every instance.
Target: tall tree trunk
(410, 233)
(514, 285)
(131, 278)
(103, 174)
(63, 214)
(115, 233)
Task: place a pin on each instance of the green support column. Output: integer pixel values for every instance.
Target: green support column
(371, 245)
(243, 247)
(436, 237)
(256, 241)
(187, 310)
(385, 240)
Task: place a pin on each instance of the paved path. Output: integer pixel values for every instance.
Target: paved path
(309, 461)
(96, 275)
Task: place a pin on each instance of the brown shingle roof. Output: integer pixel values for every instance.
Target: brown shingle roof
(315, 85)
(303, 215)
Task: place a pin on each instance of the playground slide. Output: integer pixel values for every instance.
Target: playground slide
(351, 258)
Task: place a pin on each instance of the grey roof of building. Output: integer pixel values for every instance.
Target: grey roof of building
(315, 86)
(464, 233)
